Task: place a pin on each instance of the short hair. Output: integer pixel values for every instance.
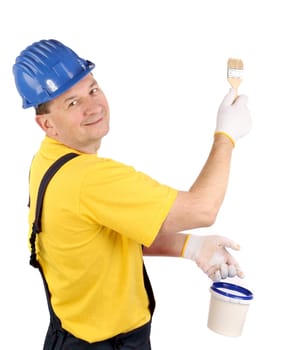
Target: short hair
(42, 108)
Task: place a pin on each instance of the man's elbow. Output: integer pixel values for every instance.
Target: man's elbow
(208, 216)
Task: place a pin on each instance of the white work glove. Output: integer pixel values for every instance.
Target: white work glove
(211, 255)
(233, 117)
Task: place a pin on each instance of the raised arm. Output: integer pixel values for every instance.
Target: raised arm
(199, 206)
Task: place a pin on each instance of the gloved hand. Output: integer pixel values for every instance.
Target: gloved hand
(211, 255)
(233, 117)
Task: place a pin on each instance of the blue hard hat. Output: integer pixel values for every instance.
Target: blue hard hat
(46, 69)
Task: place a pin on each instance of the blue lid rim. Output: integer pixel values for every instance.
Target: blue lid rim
(247, 294)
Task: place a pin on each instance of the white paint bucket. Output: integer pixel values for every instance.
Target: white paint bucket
(229, 304)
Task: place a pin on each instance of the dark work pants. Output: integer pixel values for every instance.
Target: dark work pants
(138, 339)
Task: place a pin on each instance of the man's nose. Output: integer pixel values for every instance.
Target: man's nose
(91, 106)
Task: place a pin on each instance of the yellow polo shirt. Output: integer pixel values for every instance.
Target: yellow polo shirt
(96, 215)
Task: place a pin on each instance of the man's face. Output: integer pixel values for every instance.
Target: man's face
(79, 118)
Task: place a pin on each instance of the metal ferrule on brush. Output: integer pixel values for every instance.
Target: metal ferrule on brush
(234, 73)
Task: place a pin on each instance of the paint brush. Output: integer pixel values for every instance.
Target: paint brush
(235, 69)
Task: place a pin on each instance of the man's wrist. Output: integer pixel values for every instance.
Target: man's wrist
(187, 237)
(221, 136)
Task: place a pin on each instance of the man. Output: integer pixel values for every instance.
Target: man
(100, 216)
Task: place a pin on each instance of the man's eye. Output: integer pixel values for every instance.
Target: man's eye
(94, 90)
(73, 103)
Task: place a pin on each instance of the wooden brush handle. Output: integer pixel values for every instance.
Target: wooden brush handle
(234, 83)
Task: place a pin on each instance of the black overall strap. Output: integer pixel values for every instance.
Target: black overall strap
(36, 227)
(148, 287)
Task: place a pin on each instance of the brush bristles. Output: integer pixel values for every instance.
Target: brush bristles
(234, 68)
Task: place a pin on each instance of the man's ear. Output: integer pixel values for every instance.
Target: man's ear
(46, 124)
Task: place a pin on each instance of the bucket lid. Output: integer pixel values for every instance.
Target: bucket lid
(232, 290)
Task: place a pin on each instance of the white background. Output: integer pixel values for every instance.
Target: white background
(162, 65)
